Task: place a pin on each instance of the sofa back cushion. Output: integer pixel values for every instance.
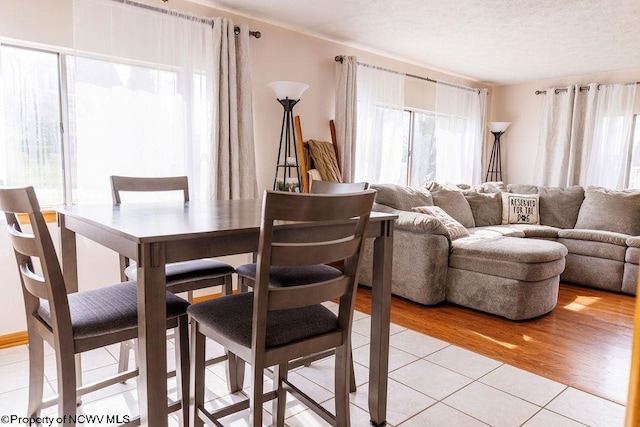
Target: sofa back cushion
(610, 210)
(402, 197)
(455, 205)
(485, 207)
(559, 207)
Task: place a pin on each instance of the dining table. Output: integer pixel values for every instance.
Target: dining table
(156, 233)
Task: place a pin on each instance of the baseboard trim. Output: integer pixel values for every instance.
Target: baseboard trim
(20, 338)
(14, 339)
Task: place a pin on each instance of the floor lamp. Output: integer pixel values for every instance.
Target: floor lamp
(494, 170)
(288, 94)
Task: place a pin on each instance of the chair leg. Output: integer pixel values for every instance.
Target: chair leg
(235, 372)
(256, 398)
(197, 374)
(280, 372)
(352, 373)
(181, 334)
(78, 360)
(343, 360)
(123, 357)
(67, 399)
(227, 288)
(36, 375)
(242, 284)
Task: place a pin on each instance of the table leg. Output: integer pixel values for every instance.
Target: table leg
(380, 323)
(152, 337)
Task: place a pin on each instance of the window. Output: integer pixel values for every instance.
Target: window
(127, 120)
(419, 148)
(119, 119)
(31, 149)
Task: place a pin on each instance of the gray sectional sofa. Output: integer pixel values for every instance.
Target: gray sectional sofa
(505, 250)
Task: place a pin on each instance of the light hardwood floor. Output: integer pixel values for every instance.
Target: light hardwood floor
(585, 342)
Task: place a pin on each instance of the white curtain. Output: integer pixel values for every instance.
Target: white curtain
(609, 156)
(234, 174)
(565, 135)
(459, 134)
(585, 136)
(379, 126)
(155, 94)
(346, 114)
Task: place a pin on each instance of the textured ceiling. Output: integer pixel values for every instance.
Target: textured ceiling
(490, 41)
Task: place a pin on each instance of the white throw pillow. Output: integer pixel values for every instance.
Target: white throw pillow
(454, 228)
(520, 208)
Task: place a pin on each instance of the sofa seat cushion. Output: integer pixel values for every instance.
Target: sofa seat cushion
(513, 258)
(496, 231)
(537, 231)
(594, 243)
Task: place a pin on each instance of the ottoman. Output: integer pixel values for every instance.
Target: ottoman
(511, 277)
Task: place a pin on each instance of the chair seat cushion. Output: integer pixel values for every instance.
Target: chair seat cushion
(185, 270)
(292, 275)
(230, 316)
(108, 309)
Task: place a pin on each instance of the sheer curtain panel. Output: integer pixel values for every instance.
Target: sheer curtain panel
(459, 134)
(346, 114)
(154, 94)
(380, 130)
(585, 136)
(610, 153)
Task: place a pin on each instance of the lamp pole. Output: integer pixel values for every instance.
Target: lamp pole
(494, 169)
(288, 95)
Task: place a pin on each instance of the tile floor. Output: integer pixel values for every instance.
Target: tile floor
(431, 383)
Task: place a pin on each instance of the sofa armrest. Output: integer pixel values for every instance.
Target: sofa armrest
(633, 242)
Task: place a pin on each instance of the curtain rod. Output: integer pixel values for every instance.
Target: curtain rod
(557, 91)
(340, 59)
(236, 29)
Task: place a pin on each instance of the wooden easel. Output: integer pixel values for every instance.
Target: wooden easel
(303, 151)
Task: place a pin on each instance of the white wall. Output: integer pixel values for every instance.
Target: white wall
(279, 55)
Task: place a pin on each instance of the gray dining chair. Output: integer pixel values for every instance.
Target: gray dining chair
(77, 322)
(272, 326)
(181, 277)
(283, 276)
(300, 275)
(330, 187)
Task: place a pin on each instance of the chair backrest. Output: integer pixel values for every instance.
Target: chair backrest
(348, 216)
(330, 187)
(35, 248)
(148, 184)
